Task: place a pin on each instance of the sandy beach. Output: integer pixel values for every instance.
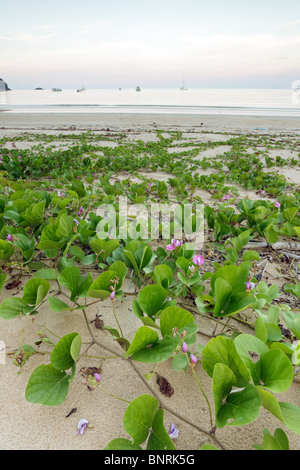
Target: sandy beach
(28, 426)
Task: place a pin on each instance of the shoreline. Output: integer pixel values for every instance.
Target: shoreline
(119, 121)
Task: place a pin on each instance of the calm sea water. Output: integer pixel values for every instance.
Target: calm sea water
(192, 101)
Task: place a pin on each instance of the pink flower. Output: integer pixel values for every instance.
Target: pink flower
(176, 243)
(170, 247)
(59, 193)
(198, 260)
(184, 347)
(226, 197)
(112, 295)
(9, 237)
(97, 376)
(193, 359)
(277, 204)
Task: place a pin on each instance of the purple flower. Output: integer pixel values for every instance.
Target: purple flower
(198, 260)
(184, 347)
(75, 221)
(249, 285)
(173, 432)
(193, 359)
(226, 197)
(112, 295)
(97, 376)
(277, 204)
(80, 211)
(9, 237)
(60, 193)
(81, 426)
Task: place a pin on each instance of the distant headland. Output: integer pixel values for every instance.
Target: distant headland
(3, 86)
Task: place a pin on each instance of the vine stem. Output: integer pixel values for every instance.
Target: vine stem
(161, 404)
(203, 393)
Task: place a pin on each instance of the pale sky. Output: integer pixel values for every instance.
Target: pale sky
(151, 43)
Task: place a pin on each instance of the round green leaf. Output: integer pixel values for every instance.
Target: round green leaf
(241, 407)
(61, 357)
(47, 386)
(174, 317)
(276, 371)
(139, 416)
(151, 299)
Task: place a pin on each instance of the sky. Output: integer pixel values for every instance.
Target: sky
(150, 43)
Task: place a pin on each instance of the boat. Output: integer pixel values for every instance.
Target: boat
(81, 89)
(137, 88)
(183, 88)
(56, 89)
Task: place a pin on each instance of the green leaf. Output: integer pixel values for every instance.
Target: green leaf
(6, 250)
(46, 273)
(163, 275)
(143, 338)
(139, 417)
(121, 270)
(293, 289)
(208, 447)
(159, 439)
(100, 288)
(11, 308)
(34, 214)
(276, 371)
(291, 416)
(277, 442)
(250, 348)
(250, 255)
(287, 413)
(179, 362)
(47, 386)
(174, 317)
(151, 299)
(261, 330)
(222, 382)
(77, 284)
(222, 350)
(157, 352)
(75, 347)
(61, 357)
(104, 248)
(241, 407)
(35, 290)
(121, 444)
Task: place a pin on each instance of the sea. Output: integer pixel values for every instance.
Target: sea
(264, 102)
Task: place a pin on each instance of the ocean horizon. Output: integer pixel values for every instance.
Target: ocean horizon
(263, 102)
